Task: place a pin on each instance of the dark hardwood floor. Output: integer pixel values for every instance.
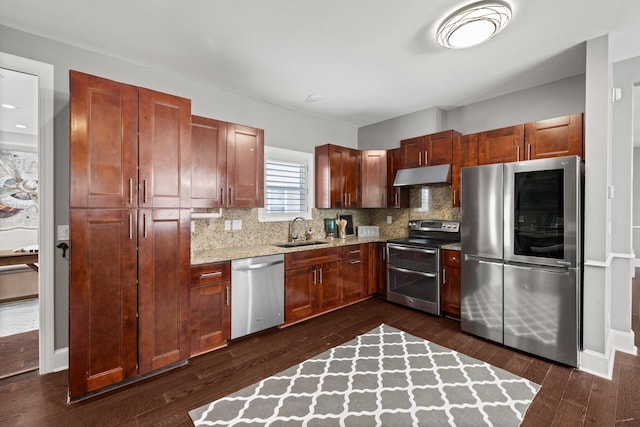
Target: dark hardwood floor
(568, 397)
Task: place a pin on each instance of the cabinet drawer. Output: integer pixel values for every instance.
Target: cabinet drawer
(451, 258)
(353, 251)
(210, 273)
(312, 257)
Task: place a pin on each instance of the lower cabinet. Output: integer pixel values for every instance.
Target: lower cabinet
(355, 272)
(451, 283)
(210, 306)
(378, 269)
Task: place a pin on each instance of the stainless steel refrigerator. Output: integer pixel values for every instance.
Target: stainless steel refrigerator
(521, 239)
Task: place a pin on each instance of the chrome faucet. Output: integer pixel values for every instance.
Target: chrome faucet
(293, 234)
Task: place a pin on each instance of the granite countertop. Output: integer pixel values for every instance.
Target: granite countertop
(204, 256)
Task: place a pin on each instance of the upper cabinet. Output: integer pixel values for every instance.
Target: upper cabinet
(397, 197)
(131, 146)
(501, 145)
(465, 153)
(561, 136)
(428, 150)
(374, 178)
(337, 177)
(227, 168)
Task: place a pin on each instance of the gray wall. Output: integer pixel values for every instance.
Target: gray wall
(389, 133)
(283, 128)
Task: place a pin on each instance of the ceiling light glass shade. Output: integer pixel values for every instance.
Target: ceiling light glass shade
(473, 24)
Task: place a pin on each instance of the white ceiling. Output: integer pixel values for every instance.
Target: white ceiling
(371, 60)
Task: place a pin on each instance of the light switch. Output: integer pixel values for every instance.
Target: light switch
(227, 225)
(389, 219)
(237, 224)
(63, 232)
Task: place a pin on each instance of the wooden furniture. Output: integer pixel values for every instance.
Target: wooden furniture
(129, 234)
(374, 178)
(210, 306)
(312, 282)
(30, 259)
(337, 177)
(397, 197)
(561, 136)
(428, 150)
(451, 283)
(227, 167)
(465, 153)
(355, 272)
(378, 268)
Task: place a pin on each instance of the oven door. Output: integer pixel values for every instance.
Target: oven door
(542, 208)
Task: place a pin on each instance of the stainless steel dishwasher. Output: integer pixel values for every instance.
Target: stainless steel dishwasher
(257, 294)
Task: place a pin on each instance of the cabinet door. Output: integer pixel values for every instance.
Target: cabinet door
(354, 279)
(465, 153)
(501, 145)
(329, 284)
(104, 143)
(374, 179)
(451, 283)
(163, 287)
(397, 197)
(208, 162)
(300, 301)
(377, 269)
(351, 172)
(210, 316)
(413, 152)
(562, 136)
(164, 145)
(245, 167)
(438, 148)
(102, 299)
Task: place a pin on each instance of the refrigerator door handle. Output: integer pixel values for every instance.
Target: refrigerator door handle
(546, 269)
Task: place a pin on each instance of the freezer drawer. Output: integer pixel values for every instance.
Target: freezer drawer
(541, 312)
(481, 293)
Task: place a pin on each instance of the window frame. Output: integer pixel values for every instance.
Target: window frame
(276, 154)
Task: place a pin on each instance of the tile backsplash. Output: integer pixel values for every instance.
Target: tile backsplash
(432, 203)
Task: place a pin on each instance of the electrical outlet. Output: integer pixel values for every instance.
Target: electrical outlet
(63, 232)
(389, 219)
(227, 225)
(237, 224)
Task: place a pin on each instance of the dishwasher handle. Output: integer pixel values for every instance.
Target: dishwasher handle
(257, 266)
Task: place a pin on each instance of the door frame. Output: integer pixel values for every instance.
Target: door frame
(46, 272)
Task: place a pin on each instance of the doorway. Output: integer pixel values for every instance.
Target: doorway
(26, 197)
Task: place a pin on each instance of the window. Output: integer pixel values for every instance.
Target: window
(288, 185)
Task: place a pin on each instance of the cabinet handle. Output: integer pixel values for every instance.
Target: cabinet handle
(528, 151)
(454, 196)
(144, 191)
(349, 194)
(355, 261)
(130, 227)
(130, 191)
(144, 225)
(214, 274)
(321, 275)
(420, 158)
(357, 251)
(222, 196)
(426, 157)
(517, 153)
(230, 197)
(444, 276)
(384, 254)
(395, 198)
(315, 277)
(226, 295)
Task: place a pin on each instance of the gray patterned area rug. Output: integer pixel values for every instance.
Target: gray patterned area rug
(385, 377)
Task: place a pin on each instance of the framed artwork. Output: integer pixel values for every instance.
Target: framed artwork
(18, 189)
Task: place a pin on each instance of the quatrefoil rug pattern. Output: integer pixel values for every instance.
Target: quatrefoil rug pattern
(385, 377)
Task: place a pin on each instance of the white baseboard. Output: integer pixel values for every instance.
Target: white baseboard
(597, 363)
(61, 359)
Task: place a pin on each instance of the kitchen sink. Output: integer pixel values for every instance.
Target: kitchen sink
(298, 244)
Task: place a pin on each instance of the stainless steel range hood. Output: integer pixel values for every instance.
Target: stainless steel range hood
(440, 174)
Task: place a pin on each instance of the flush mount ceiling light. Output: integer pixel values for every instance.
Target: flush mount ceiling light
(473, 24)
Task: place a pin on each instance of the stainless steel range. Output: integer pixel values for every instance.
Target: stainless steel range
(413, 264)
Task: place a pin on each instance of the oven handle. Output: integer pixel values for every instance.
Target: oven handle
(412, 249)
(404, 270)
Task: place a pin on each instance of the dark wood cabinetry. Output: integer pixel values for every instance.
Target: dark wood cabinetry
(337, 177)
(428, 150)
(501, 145)
(561, 136)
(210, 306)
(130, 177)
(397, 197)
(227, 164)
(451, 283)
(374, 178)
(355, 272)
(313, 280)
(378, 269)
(465, 153)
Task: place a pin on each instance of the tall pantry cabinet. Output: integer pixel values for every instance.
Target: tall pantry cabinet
(130, 234)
